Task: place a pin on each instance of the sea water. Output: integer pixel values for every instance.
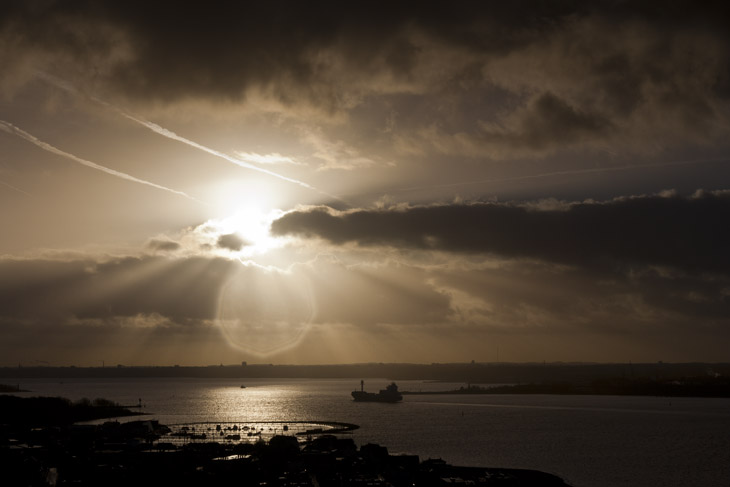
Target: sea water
(590, 441)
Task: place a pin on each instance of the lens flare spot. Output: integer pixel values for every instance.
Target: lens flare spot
(263, 311)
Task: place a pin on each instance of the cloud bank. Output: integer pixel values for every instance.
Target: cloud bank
(646, 275)
(635, 232)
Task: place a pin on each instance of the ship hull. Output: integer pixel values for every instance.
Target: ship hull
(361, 396)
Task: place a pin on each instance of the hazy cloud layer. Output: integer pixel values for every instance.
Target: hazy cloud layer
(187, 291)
(673, 231)
(163, 245)
(147, 304)
(55, 291)
(373, 294)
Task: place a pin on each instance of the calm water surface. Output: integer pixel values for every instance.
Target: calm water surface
(590, 441)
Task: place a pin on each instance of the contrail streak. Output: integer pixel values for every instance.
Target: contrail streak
(14, 188)
(13, 130)
(172, 135)
(569, 172)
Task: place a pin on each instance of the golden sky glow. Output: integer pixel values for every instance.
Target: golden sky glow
(324, 184)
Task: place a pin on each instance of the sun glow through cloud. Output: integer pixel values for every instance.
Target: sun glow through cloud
(247, 209)
(249, 229)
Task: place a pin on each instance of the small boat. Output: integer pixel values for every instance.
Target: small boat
(242, 386)
(389, 394)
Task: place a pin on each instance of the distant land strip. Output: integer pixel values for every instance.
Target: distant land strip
(684, 387)
(460, 373)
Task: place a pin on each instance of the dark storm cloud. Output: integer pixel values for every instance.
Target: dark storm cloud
(474, 79)
(177, 50)
(546, 122)
(195, 49)
(231, 241)
(683, 233)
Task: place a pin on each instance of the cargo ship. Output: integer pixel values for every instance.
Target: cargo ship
(389, 394)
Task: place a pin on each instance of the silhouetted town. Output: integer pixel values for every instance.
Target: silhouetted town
(41, 444)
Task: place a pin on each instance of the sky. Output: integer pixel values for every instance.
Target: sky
(292, 182)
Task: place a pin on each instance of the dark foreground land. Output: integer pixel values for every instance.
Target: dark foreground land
(39, 453)
(21, 413)
(10, 388)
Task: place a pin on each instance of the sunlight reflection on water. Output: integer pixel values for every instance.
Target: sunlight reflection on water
(250, 404)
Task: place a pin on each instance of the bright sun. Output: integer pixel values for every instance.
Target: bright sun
(251, 225)
(246, 230)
